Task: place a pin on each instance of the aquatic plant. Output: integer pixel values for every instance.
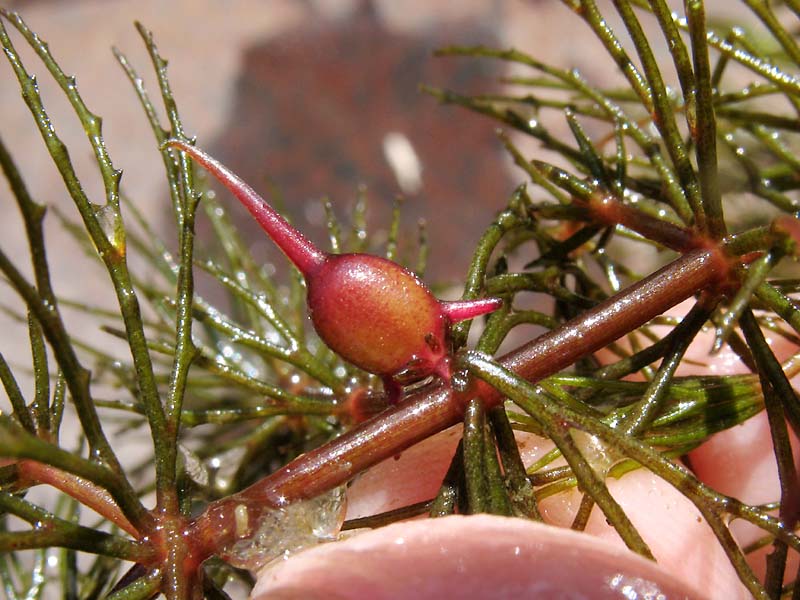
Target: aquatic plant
(283, 412)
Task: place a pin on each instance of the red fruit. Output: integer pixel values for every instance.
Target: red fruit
(377, 315)
(371, 311)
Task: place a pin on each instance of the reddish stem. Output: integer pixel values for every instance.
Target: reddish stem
(620, 314)
(463, 310)
(433, 409)
(297, 247)
(610, 211)
(32, 473)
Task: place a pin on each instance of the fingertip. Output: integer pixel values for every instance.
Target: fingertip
(478, 557)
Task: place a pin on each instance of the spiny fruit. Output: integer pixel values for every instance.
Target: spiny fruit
(371, 311)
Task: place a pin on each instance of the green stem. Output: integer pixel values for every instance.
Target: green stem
(781, 304)
(584, 512)
(185, 353)
(788, 83)
(531, 169)
(508, 220)
(680, 57)
(111, 252)
(389, 516)
(474, 450)
(663, 110)
(15, 396)
(593, 161)
(520, 490)
(753, 279)
(498, 497)
(143, 588)
(447, 499)
(59, 401)
(674, 193)
(77, 379)
(590, 481)
(295, 355)
(787, 473)
(41, 376)
(705, 132)
(768, 18)
(559, 419)
(33, 217)
(590, 13)
(17, 443)
(58, 532)
(652, 400)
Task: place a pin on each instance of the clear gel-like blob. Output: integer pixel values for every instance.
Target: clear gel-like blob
(280, 532)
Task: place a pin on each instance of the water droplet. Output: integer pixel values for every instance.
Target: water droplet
(597, 453)
(223, 468)
(251, 369)
(193, 466)
(315, 214)
(634, 588)
(110, 222)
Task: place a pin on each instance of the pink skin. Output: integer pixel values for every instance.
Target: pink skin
(489, 557)
(740, 461)
(374, 313)
(474, 557)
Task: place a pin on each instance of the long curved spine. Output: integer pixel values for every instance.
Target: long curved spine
(297, 247)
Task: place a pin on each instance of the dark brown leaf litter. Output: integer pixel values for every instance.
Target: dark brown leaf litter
(313, 108)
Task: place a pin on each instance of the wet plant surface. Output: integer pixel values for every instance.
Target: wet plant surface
(257, 426)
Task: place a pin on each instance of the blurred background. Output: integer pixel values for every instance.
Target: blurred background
(305, 99)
